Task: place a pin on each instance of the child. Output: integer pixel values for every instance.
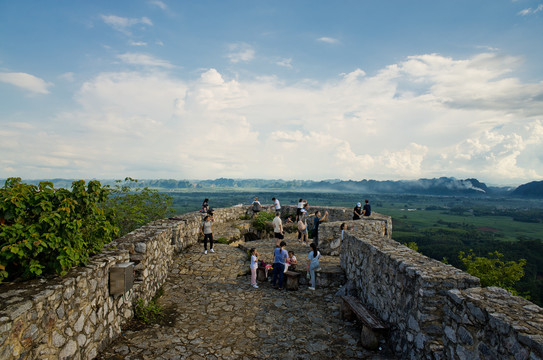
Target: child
(254, 266)
(291, 261)
(313, 257)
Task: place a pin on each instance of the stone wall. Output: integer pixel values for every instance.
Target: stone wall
(330, 232)
(489, 323)
(74, 316)
(436, 311)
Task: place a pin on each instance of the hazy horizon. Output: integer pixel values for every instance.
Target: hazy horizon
(162, 89)
(256, 179)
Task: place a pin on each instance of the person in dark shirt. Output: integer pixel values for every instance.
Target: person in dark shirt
(357, 211)
(366, 211)
(316, 221)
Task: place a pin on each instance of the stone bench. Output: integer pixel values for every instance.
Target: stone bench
(373, 328)
(261, 274)
(292, 280)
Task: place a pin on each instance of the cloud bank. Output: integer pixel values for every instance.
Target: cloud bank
(426, 116)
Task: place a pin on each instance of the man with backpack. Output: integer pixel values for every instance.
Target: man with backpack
(256, 206)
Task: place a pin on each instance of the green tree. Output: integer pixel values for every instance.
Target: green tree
(493, 271)
(131, 207)
(47, 230)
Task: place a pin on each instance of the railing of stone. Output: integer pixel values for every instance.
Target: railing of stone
(436, 311)
(74, 316)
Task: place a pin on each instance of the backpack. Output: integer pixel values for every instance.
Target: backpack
(256, 207)
(301, 226)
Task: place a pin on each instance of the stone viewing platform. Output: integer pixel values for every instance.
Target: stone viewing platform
(214, 313)
(431, 310)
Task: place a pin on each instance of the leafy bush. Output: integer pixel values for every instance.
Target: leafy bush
(46, 230)
(412, 245)
(261, 221)
(150, 313)
(131, 207)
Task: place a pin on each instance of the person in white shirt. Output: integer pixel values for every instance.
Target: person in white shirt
(254, 266)
(278, 228)
(276, 204)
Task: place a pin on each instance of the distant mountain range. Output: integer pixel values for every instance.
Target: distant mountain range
(532, 189)
(438, 186)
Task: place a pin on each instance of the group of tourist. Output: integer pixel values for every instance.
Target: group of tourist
(360, 211)
(283, 259)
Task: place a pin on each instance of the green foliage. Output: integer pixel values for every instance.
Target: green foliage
(150, 313)
(412, 245)
(45, 230)
(222, 240)
(131, 207)
(493, 271)
(262, 220)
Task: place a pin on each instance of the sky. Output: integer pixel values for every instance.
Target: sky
(309, 90)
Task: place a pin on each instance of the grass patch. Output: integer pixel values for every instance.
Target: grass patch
(151, 313)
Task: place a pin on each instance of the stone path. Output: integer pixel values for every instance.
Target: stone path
(213, 313)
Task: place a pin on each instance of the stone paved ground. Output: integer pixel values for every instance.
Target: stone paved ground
(213, 313)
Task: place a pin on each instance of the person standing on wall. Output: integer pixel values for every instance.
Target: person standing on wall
(276, 204)
(256, 206)
(207, 231)
(205, 206)
(278, 228)
(357, 211)
(316, 221)
(366, 211)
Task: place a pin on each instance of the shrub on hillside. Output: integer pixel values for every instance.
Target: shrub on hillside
(131, 207)
(47, 230)
(262, 221)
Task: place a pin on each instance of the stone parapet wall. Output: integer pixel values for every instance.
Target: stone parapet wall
(74, 316)
(330, 232)
(436, 311)
(63, 318)
(490, 323)
(402, 287)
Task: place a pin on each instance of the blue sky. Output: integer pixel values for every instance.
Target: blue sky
(272, 89)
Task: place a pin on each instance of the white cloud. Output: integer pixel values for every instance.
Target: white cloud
(69, 76)
(159, 4)
(123, 24)
(144, 60)
(426, 116)
(285, 63)
(530, 11)
(26, 81)
(240, 52)
(328, 40)
(137, 43)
